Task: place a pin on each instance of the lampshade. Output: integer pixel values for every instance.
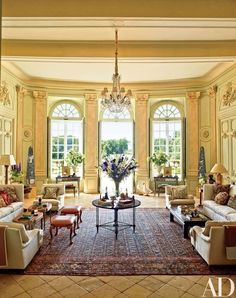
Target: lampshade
(7, 160)
(218, 169)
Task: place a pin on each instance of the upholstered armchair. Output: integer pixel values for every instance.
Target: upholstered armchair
(210, 243)
(54, 194)
(18, 246)
(177, 195)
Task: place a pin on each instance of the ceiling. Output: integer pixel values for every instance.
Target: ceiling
(149, 49)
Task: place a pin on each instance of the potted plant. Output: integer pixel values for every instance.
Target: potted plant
(74, 158)
(159, 159)
(17, 175)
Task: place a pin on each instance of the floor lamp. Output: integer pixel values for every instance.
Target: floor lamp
(7, 160)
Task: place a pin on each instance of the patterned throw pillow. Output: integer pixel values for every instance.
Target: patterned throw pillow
(50, 192)
(222, 198)
(7, 199)
(232, 202)
(2, 202)
(10, 190)
(220, 188)
(179, 192)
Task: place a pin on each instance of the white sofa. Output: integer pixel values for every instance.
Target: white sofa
(21, 245)
(216, 211)
(58, 202)
(16, 208)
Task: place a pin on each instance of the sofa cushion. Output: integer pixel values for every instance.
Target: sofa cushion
(16, 205)
(232, 202)
(19, 227)
(222, 198)
(5, 211)
(211, 223)
(231, 217)
(217, 188)
(211, 204)
(179, 192)
(50, 192)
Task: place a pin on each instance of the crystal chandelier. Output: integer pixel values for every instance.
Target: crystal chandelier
(118, 99)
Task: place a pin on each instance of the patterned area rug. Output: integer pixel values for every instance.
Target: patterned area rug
(157, 247)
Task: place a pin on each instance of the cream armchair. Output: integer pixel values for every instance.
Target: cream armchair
(56, 201)
(177, 195)
(210, 242)
(20, 245)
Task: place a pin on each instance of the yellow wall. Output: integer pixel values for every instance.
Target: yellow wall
(209, 123)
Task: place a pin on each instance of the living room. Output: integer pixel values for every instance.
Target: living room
(56, 60)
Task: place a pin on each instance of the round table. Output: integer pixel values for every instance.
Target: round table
(115, 224)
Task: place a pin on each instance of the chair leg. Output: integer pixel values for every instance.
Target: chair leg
(80, 215)
(71, 242)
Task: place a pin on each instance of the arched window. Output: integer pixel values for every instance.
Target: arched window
(66, 134)
(167, 135)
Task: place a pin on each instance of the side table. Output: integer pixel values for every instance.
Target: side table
(44, 208)
(30, 223)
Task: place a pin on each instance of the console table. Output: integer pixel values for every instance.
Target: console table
(162, 181)
(68, 179)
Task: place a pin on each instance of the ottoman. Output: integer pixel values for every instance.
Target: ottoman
(76, 210)
(63, 221)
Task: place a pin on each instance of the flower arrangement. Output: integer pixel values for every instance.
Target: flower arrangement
(16, 174)
(159, 158)
(74, 158)
(118, 167)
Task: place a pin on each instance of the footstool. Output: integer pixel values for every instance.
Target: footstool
(63, 221)
(76, 210)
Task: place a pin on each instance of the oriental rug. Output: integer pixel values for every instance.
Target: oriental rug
(157, 247)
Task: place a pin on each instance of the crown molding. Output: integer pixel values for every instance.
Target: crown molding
(121, 8)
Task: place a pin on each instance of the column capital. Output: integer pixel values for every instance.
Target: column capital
(20, 90)
(91, 97)
(212, 92)
(193, 95)
(142, 97)
(40, 95)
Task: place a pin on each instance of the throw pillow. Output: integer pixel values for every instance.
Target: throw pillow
(179, 192)
(7, 199)
(222, 198)
(220, 188)
(2, 202)
(232, 202)
(50, 192)
(10, 189)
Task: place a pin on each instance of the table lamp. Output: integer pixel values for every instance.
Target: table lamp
(218, 169)
(7, 160)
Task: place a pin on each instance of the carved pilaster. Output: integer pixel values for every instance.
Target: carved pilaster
(91, 144)
(192, 138)
(230, 94)
(212, 96)
(20, 93)
(141, 138)
(40, 134)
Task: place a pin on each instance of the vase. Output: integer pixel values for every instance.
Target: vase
(158, 169)
(74, 168)
(117, 185)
